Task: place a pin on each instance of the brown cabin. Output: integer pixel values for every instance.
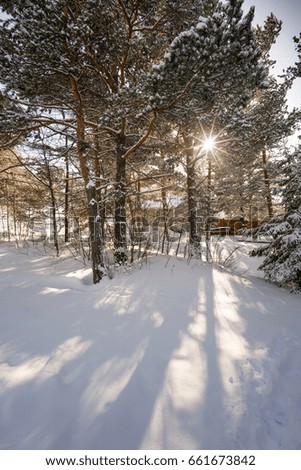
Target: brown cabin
(232, 226)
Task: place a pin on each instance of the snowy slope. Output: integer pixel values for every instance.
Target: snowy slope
(173, 355)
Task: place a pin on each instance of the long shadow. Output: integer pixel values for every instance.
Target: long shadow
(138, 331)
(122, 389)
(269, 374)
(214, 434)
(256, 407)
(127, 420)
(55, 353)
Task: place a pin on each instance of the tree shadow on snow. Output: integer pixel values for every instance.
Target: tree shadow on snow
(131, 419)
(162, 359)
(89, 374)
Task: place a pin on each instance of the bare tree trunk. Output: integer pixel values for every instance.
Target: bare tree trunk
(194, 234)
(120, 228)
(208, 214)
(267, 184)
(120, 200)
(66, 218)
(7, 209)
(53, 206)
(96, 240)
(54, 224)
(165, 217)
(99, 191)
(95, 235)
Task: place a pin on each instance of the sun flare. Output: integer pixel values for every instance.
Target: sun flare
(209, 143)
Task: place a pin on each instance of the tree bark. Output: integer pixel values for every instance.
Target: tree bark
(53, 205)
(165, 217)
(95, 235)
(100, 193)
(208, 213)
(267, 184)
(194, 233)
(53, 216)
(120, 200)
(66, 218)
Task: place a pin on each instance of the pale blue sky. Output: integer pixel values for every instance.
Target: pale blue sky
(289, 11)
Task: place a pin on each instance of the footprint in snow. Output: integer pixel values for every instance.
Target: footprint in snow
(280, 417)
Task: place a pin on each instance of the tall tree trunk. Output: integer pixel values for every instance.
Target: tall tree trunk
(120, 200)
(7, 209)
(53, 217)
(267, 184)
(53, 206)
(165, 217)
(138, 197)
(99, 191)
(95, 235)
(66, 218)
(194, 233)
(54, 224)
(96, 239)
(208, 213)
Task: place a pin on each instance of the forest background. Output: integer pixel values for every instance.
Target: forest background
(133, 126)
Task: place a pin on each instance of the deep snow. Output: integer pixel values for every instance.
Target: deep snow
(172, 355)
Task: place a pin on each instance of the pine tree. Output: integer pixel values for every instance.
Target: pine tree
(42, 64)
(247, 173)
(282, 263)
(89, 60)
(296, 70)
(255, 131)
(209, 71)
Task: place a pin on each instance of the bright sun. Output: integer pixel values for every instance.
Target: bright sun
(209, 143)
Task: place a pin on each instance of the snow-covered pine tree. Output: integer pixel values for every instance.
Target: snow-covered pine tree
(253, 133)
(43, 58)
(247, 174)
(89, 60)
(209, 70)
(297, 69)
(282, 263)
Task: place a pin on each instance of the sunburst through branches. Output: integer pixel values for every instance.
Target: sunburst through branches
(213, 144)
(209, 144)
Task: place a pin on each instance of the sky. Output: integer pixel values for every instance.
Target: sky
(289, 11)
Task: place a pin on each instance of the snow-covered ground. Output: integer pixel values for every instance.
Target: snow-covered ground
(173, 355)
